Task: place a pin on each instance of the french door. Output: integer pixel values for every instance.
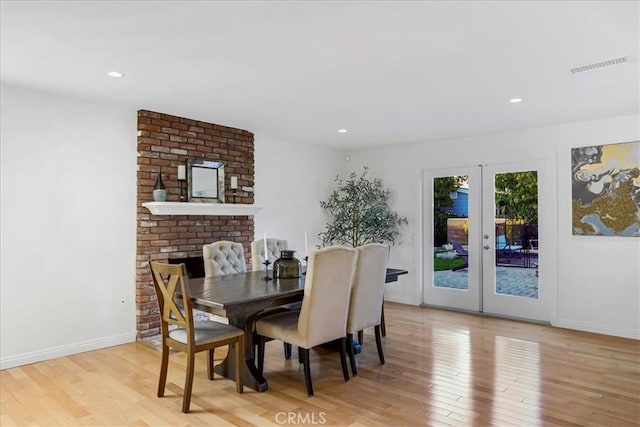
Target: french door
(489, 239)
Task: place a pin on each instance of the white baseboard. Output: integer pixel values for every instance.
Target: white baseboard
(598, 329)
(65, 350)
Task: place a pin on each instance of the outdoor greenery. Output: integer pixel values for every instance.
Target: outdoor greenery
(443, 187)
(441, 264)
(360, 213)
(517, 196)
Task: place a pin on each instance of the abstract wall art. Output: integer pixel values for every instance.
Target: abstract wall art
(606, 189)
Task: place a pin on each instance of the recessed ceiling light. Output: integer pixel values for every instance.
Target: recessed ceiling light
(116, 74)
(342, 131)
(515, 100)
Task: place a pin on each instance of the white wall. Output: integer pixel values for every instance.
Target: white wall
(291, 179)
(598, 278)
(68, 212)
(68, 200)
(68, 216)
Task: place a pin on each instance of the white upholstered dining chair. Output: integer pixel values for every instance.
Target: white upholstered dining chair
(367, 293)
(323, 316)
(188, 336)
(223, 257)
(274, 247)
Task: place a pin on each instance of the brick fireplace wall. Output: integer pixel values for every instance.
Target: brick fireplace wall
(164, 142)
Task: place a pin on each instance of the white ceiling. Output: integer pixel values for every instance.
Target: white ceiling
(389, 72)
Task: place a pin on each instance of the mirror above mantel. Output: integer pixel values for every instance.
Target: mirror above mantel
(205, 181)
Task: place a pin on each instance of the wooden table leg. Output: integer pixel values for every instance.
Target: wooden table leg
(226, 368)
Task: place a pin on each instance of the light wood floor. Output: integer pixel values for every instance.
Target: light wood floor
(443, 368)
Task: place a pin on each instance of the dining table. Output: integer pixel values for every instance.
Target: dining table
(243, 298)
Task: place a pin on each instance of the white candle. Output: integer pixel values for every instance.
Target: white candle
(306, 244)
(182, 174)
(234, 182)
(266, 254)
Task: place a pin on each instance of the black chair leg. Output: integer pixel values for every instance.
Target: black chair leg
(352, 356)
(304, 353)
(287, 350)
(383, 327)
(343, 358)
(379, 344)
(300, 358)
(261, 343)
(361, 337)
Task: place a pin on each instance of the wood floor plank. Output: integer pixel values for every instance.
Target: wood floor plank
(443, 369)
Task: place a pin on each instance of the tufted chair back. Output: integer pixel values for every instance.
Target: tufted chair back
(223, 257)
(274, 247)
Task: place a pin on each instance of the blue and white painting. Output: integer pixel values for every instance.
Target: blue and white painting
(606, 189)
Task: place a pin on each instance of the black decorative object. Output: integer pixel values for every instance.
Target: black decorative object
(266, 270)
(183, 189)
(287, 267)
(159, 190)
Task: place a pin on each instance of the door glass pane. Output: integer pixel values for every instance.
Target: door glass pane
(451, 232)
(516, 234)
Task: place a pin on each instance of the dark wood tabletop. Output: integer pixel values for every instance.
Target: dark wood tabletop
(247, 293)
(241, 297)
(243, 294)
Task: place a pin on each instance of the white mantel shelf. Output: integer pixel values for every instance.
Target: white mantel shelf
(187, 208)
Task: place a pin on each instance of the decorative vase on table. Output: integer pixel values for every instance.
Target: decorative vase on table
(159, 190)
(287, 267)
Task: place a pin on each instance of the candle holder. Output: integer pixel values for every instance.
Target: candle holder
(183, 189)
(266, 270)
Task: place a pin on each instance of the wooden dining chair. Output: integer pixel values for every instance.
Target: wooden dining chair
(186, 335)
(323, 316)
(367, 294)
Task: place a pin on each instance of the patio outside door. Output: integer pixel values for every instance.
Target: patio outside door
(486, 239)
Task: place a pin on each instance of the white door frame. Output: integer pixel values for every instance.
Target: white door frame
(480, 297)
(542, 308)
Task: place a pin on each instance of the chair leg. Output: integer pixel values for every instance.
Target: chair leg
(352, 356)
(382, 325)
(361, 337)
(300, 358)
(164, 365)
(261, 342)
(287, 350)
(188, 382)
(343, 358)
(379, 344)
(239, 348)
(304, 353)
(210, 364)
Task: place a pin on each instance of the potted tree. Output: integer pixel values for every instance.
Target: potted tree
(360, 213)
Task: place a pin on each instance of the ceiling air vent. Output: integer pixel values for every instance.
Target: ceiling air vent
(598, 65)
